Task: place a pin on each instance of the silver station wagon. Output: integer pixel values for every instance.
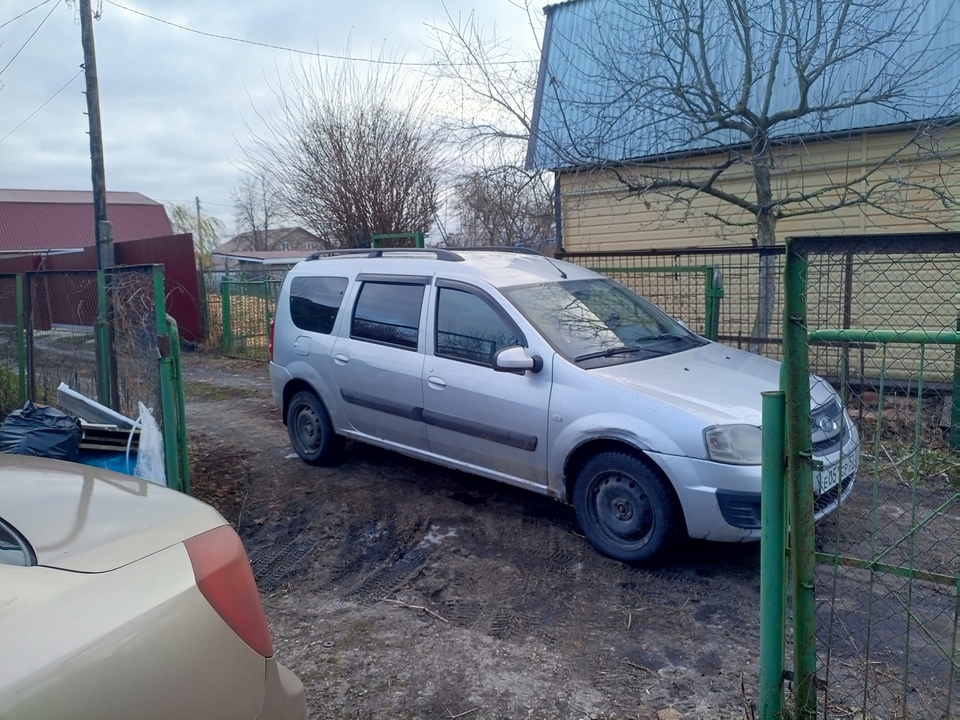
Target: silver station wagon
(543, 375)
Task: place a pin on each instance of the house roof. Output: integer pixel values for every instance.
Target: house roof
(590, 109)
(63, 219)
(264, 257)
(244, 241)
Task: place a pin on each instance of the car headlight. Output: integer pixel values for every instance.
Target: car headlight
(734, 444)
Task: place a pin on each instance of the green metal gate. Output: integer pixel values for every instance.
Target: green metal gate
(247, 308)
(677, 289)
(106, 334)
(875, 587)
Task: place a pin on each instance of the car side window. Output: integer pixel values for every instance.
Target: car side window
(315, 301)
(388, 313)
(469, 328)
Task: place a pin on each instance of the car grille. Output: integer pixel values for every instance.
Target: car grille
(828, 499)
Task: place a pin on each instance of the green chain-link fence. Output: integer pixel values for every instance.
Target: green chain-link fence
(875, 590)
(243, 316)
(689, 284)
(106, 335)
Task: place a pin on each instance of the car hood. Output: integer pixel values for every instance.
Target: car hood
(716, 382)
(88, 519)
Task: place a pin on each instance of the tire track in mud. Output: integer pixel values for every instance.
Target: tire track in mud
(279, 552)
(375, 560)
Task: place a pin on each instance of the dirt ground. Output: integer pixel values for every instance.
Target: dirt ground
(396, 589)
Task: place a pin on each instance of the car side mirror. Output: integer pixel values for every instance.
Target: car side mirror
(516, 359)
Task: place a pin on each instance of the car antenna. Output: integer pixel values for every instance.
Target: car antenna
(559, 269)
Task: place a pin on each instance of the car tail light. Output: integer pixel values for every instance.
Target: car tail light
(273, 323)
(224, 577)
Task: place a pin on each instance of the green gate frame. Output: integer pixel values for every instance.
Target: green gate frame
(713, 288)
(233, 343)
(786, 426)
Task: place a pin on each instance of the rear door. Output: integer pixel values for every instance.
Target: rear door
(473, 414)
(378, 360)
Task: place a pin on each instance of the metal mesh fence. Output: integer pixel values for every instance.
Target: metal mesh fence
(61, 314)
(133, 340)
(881, 321)
(678, 281)
(245, 311)
(12, 351)
(67, 340)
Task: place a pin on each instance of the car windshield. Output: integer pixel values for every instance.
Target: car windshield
(600, 322)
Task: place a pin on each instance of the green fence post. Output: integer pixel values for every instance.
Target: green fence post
(773, 578)
(226, 340)
(102, 341)
(183, 448)
(713, 293)
(799, 482)
(21, 344)
(955, 399)
(168, 403)
(267, 300)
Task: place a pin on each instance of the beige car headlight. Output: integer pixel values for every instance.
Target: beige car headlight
(734, 444)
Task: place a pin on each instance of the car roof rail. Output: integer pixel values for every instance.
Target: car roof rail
(438, 253)
(519, 250)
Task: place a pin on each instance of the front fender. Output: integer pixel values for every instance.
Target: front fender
(617, 427)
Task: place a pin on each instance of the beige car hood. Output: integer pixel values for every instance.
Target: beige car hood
(88, 519)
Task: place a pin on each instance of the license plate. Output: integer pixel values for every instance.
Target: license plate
(830, 477)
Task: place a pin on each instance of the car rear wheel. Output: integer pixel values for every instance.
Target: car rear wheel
(311, 432)
(624, 508)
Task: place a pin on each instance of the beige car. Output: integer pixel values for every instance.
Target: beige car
(122, 599)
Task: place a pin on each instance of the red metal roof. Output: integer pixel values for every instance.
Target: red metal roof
(59, 219)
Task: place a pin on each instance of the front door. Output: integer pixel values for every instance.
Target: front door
(473, 414)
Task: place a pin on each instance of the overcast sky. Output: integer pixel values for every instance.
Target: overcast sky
(174, 102)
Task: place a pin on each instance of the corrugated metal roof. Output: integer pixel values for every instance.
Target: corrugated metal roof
(58, 219)
(590, 108)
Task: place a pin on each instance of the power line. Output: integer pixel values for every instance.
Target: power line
(372, 61)
(27, 41)
(79, 72)
(25, 12)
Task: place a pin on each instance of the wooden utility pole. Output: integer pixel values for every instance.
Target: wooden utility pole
(102, 228)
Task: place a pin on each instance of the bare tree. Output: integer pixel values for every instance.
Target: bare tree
(207, 231)
(491, 86)
(259, 207)
(351, 152)
(503, 206)
(704, 91)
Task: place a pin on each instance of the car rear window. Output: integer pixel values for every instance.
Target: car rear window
(13, 549)
(315, 301)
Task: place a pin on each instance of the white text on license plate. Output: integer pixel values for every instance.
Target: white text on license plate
(829, 477)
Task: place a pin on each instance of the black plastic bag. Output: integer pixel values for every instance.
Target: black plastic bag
(42, 431)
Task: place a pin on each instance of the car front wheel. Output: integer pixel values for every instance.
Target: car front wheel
(311, 432)
(624, 509)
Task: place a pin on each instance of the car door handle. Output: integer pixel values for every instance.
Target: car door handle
(341, 359)
(436, 382)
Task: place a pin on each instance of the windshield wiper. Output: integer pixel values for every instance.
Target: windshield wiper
(661, 336)
(611, 352)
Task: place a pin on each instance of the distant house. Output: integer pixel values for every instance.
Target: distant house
(280, 239)
(39, 221)
(254, 255)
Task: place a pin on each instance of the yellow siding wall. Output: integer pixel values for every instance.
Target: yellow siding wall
(599, 214)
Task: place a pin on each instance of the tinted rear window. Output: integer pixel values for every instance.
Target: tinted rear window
(388, 313)
(315, 301)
